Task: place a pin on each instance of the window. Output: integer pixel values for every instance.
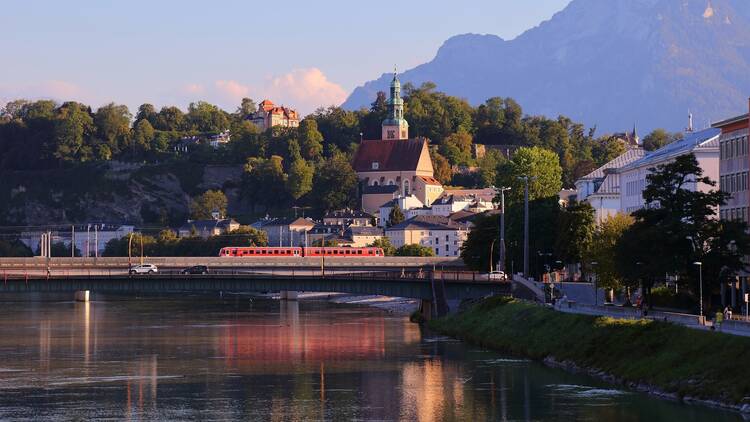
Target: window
(375, 165)
(437, 251)
(446, 238)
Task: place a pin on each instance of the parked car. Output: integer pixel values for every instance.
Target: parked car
(497, 276)
(195, 269)
(144, 269)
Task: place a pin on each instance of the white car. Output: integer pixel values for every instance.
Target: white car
(144, 269)
(496, 276)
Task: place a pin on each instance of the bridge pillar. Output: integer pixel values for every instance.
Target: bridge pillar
(82, 296)
(288, 295)
(426, 309)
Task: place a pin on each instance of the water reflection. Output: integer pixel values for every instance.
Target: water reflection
(199, 358)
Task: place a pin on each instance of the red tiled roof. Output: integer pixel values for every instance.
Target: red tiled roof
(430, 180)
(391, 155)
(267, 105)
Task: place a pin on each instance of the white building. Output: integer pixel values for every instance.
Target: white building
(703, 144)
(404, 202)
(442, 234)
(601, 188)
(90, 238)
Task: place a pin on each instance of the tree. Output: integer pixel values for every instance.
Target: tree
(541, 165)
(441, 166)
(207, 203)
(300, 178)
(170, 119)
(659, 138)
(480, 251)
(146, 112)
(311, 140)
(575, 232)
(678, 227)
(396, 216)
(385, 244)
(143, 136)
(262, 180)
(456, 148)
(335, 184)
(113, 125)
(205, 117)
(246, 109)
(603, 250)
(14, 248)
(73, 128)
(414, 250)
(488, 166)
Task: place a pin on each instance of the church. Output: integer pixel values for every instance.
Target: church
(395, 165)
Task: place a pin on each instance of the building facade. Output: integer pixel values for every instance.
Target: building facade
(444, 236)
(269, 115)
(286, 231)
(703, 144)
(601, 188)
(734, 166)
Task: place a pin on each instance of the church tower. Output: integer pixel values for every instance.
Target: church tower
(395, 127)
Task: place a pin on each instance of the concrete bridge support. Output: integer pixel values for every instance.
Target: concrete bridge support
(427, 309)
(82, 296)
(288, 295)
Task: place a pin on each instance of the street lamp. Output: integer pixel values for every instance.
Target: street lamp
(700, 276)
(596, 292)
(526, 180)
(501, 261)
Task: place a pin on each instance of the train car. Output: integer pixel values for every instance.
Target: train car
(260, 252)
(268, 252)
(345, 252)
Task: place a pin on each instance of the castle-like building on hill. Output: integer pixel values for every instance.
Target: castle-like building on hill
(395, 165)
(270, 115)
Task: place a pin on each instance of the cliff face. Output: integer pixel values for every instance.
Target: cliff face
(608, 63)
(110, 192)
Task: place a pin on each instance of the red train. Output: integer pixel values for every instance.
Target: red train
(346, 252)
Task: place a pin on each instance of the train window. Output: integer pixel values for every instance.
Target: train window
(359, 252)
(264, 251)
(276, 252)
(234, 252)
(288, 252)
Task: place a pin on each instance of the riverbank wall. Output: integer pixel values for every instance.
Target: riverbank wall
(656, 357)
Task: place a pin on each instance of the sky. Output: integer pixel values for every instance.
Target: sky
(299, 53)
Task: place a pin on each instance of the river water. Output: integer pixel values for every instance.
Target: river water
(205, 358)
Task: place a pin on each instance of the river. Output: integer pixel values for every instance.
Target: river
(202, 358)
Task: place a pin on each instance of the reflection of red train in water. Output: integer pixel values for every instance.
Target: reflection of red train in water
(347, 252)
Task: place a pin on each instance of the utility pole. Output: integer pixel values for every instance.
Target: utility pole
(501, 263)
(88, 240)
(96, 241)
(526, 180)
(72, 241)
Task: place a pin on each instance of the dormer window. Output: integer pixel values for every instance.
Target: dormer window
(375, 165)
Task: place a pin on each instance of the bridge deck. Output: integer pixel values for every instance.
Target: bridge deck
(457, 285)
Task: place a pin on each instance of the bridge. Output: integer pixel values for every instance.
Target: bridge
(434, 281)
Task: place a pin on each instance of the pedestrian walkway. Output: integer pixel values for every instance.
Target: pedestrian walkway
(734, 327)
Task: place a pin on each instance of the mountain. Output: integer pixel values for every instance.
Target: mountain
(607, 63)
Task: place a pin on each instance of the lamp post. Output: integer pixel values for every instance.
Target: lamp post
(699, 264)
(593, 280)
(501, 262)
(525, 180)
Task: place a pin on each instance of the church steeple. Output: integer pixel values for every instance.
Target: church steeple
(395, 127)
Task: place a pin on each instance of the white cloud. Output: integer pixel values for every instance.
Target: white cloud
(305, 89)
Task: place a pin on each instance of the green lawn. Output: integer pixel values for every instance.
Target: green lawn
(677, 359)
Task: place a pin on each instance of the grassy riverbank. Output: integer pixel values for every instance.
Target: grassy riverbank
(679, 360)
